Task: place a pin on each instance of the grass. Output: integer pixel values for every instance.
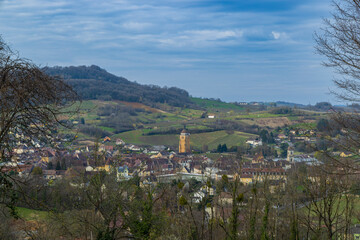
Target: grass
(31, 214)
(307, 126)
(257, 115)
(211, 104)
(191, 113)
(82, 106)
(108, 129)
(293, 118)
(342, 206)
(212, 139)
(137, 137)
(176, 118)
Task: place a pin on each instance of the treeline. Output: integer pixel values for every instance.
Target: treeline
(307, 203)
(282, 110)
(176, 130)
(119, 118)
(93, 131)
(222, 124)
(94, 82)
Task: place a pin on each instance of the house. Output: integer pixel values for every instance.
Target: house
(20, 150)
(246, 179)
(106, 148)
(198, 196)
(133, 148)
(197, 169)
(107, 139)
(89, 169)
(119, 141)
(209, 190)
(159, 148)
(166, 167)
(158, 155)
(258, 158)
(345, 155)
(185, 169)
(304, 138)
(260, 174)
(102, 148)
(211, 170)
(49, 174)
(254, 143)
(109, 148)
(282, 136)
(274, 185)
(211, 116)
(224, 198)
(108, 166)
(100, 168)
(122, 172)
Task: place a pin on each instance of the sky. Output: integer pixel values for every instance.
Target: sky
(235, 50)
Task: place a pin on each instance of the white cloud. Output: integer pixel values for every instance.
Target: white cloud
(162, 34)
(276, 35)
(136, 25)
(202, 38)
(211, 35)
(279, 35)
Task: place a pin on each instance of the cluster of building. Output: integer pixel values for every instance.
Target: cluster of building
(152, 165)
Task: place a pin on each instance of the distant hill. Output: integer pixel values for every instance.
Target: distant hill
(289, 104)
(93, 82)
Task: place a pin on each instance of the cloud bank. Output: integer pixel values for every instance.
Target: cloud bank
(235, 50)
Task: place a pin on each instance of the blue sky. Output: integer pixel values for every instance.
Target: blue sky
(243, 50)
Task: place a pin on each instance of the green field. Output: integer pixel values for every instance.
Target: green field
(31, 214)
(213, 104)
(212, 139)
(161, 123)
(307, 126)
(341, 206)
(261, 114)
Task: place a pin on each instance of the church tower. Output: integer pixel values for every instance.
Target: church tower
(290, 154)
(184, 143)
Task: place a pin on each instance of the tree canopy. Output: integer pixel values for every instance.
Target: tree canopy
(30, 101)
(94, 82)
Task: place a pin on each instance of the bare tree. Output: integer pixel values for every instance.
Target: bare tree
(330, 205)
(31, 102)
(339, 42)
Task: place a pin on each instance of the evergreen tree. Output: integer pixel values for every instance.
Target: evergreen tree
(58, 166)
(219, 148)
(50, 166)
(283, 148)
(224, 148)
(63, 164)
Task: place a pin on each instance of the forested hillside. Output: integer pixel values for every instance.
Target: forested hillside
(94, 82)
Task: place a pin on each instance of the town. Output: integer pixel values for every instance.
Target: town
(159, 163)
(238, 120)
